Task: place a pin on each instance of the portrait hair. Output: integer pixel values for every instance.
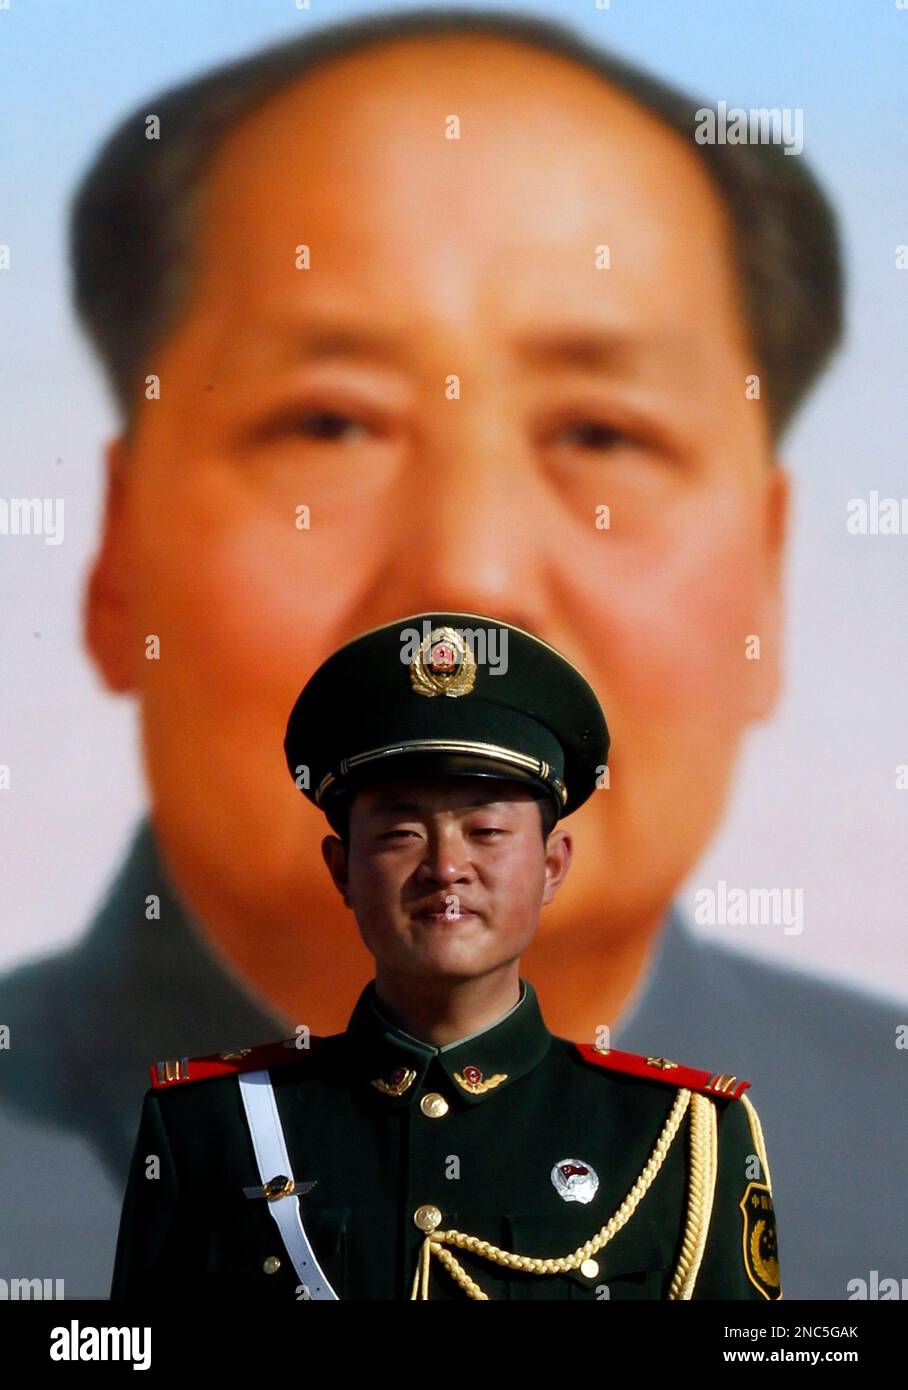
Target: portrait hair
(134, 217)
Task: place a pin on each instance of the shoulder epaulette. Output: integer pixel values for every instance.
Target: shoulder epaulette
(272, 1054)
(662, 1069)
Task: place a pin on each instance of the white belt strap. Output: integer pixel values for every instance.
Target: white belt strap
(273, 1161)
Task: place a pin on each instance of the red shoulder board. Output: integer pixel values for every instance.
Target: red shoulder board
(663, 1069)
(271, 1054)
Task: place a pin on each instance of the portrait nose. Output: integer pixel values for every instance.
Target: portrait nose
(479, 517)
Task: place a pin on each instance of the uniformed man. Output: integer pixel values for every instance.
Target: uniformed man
(446, 1145)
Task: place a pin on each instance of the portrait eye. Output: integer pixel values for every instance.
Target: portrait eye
(321, 426)
(593, 434)
(325, 425)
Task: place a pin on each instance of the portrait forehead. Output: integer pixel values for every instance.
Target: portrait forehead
(419, 239)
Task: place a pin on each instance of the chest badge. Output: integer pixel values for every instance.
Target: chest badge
(574, 1180)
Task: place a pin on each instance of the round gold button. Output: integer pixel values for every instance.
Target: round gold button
(427, 1217)
(433, 1105)
(589, 1269)
(271, 1265)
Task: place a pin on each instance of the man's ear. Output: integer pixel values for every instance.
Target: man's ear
(106, 615)
(559, 851)
(335, 856)
(769, 618)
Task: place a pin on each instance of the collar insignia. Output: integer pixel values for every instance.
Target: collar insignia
(401, 1080)
(470, 1079)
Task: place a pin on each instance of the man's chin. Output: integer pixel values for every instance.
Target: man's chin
(453, 966)
(456, 962)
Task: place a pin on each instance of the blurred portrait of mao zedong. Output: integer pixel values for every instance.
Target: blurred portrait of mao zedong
(277, 387)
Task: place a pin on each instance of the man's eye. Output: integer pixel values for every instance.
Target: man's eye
(488, 830)
(326, 426)
(592, 434)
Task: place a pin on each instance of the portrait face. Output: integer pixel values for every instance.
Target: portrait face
(446, 877)
(454, 388)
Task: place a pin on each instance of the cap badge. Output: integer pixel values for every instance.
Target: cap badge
(445, 665)
(574, 1180)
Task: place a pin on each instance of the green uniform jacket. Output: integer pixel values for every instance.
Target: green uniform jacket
(483, 1137)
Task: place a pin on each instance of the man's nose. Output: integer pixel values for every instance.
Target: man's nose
(479, 519)
(445, 859)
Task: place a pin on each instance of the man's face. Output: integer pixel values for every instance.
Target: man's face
(453, 389)
(446, 877)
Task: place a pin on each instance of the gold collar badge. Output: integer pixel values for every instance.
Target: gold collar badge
(471, 1080)
(402, 1079)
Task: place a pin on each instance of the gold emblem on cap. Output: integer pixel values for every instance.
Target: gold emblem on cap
(445, 665)
(661, 1062)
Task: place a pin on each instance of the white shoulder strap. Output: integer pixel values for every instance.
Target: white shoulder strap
(273, 1161)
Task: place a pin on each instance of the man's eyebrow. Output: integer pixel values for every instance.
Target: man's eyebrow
(594, 349)
(579, 347)
(306, 341)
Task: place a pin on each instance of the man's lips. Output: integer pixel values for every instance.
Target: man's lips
(435, 913)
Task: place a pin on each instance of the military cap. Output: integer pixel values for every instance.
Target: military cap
(446, 693)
